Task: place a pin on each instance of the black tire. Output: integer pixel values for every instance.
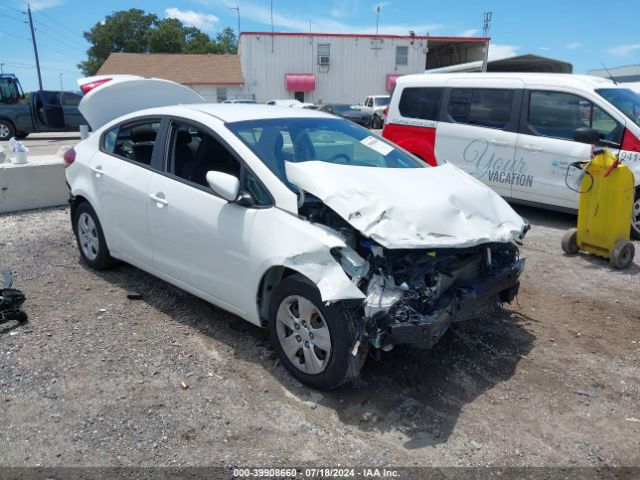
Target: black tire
(570, 242)
(21, 135)
(102, 259)
(377, 122)
(7, 130)
(622, 254)
(342, 325)
(635, 221)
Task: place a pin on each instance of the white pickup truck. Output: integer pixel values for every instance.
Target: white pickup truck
(375, 104)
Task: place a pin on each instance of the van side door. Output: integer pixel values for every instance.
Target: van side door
(477, 130)
(545, 143)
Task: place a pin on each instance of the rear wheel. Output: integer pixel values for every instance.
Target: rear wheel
(570, 241)
(622, 254)
(7, 130)
(90, 238)
(377, 122)
(313, 340)
(635, 217)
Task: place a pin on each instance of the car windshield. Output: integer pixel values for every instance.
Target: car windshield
(329, 140)
(625, 100)
(381, 102)
(342, 108)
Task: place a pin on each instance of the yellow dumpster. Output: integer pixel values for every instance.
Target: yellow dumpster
(604, 211)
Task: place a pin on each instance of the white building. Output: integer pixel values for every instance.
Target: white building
(325, 67)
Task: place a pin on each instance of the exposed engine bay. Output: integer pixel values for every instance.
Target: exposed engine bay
(413, 295)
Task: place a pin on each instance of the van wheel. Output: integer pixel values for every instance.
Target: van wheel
(7, 130)
(313, 340)
(635, 217)
(90, 238)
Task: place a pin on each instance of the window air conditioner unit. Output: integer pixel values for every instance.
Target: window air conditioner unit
(323, 60)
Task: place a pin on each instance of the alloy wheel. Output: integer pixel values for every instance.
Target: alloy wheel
(88, 236)
(303, 334)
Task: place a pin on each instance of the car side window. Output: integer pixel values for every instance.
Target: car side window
(481, 106)
(133, 141)
(422, 103)
(71, 99)
(559, 114)
(193, 152)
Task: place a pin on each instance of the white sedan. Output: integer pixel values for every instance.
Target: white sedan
(335, 240)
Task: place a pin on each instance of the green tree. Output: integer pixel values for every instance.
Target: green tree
(227, 41)
(124, 31)
(135, 31)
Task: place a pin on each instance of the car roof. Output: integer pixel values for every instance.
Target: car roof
(551, 79)
(238, 112)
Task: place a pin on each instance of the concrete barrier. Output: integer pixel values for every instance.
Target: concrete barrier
(37, 184)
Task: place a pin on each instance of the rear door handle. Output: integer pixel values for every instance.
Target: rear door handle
(160, 201)
(532, 148)
(502, 143)
(97, 170)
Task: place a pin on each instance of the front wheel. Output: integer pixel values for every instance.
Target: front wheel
(6, 130)
(622, 254)
(314, 341)
(377, 122)
(90, 238)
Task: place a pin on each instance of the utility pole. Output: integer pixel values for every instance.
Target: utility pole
(237, 9)
(485, 32)
(35, 48)
(272, 26)
(60, 77)
(377, 18)
(1, 68)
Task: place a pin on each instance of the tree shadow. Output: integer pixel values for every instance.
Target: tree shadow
(414, 394)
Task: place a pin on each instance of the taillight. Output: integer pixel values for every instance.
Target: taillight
(87, 87)
(385, 111)
(69, 157)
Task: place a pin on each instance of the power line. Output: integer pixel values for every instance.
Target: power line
(16, 36)
(12, 18)
(60, 41)
(66, 33)
(11, 8)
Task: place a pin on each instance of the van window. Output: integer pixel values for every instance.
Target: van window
(422, 103)
(559, 114)
(481, 106)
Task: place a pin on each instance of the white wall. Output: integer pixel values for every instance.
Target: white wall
(356, 70)
(210, 92)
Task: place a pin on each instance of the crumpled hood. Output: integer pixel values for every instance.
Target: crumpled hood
(410, 207)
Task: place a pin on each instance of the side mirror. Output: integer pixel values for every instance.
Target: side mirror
(223, 184)
(586, 135)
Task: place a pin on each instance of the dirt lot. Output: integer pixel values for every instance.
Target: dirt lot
(94, 378)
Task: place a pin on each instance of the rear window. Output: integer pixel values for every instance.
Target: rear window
(481, 106)
(422, 103)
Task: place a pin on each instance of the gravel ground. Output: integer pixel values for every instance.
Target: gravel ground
(94, 379)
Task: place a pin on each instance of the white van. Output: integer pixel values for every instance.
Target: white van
(514, 131)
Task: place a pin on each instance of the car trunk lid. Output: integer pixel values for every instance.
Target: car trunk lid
(110, 96)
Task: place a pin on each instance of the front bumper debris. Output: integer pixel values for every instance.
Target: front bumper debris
(456, 305)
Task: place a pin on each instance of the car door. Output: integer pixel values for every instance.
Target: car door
(122, 169)
(545, 144)
(477, 130)
(72, 116)
(199, 238)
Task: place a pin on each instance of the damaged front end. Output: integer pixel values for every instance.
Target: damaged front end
(414, 295)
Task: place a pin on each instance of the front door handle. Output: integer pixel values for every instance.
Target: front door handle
(502, 143)
(160, 200)
(97, 170)
(532, 148)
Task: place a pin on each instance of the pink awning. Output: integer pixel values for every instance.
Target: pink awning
(391, 81)
(300, 82)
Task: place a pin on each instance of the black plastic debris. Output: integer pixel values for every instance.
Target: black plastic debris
(11, 299)
(134, 296)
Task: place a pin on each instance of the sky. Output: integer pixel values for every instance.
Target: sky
(586, 33)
